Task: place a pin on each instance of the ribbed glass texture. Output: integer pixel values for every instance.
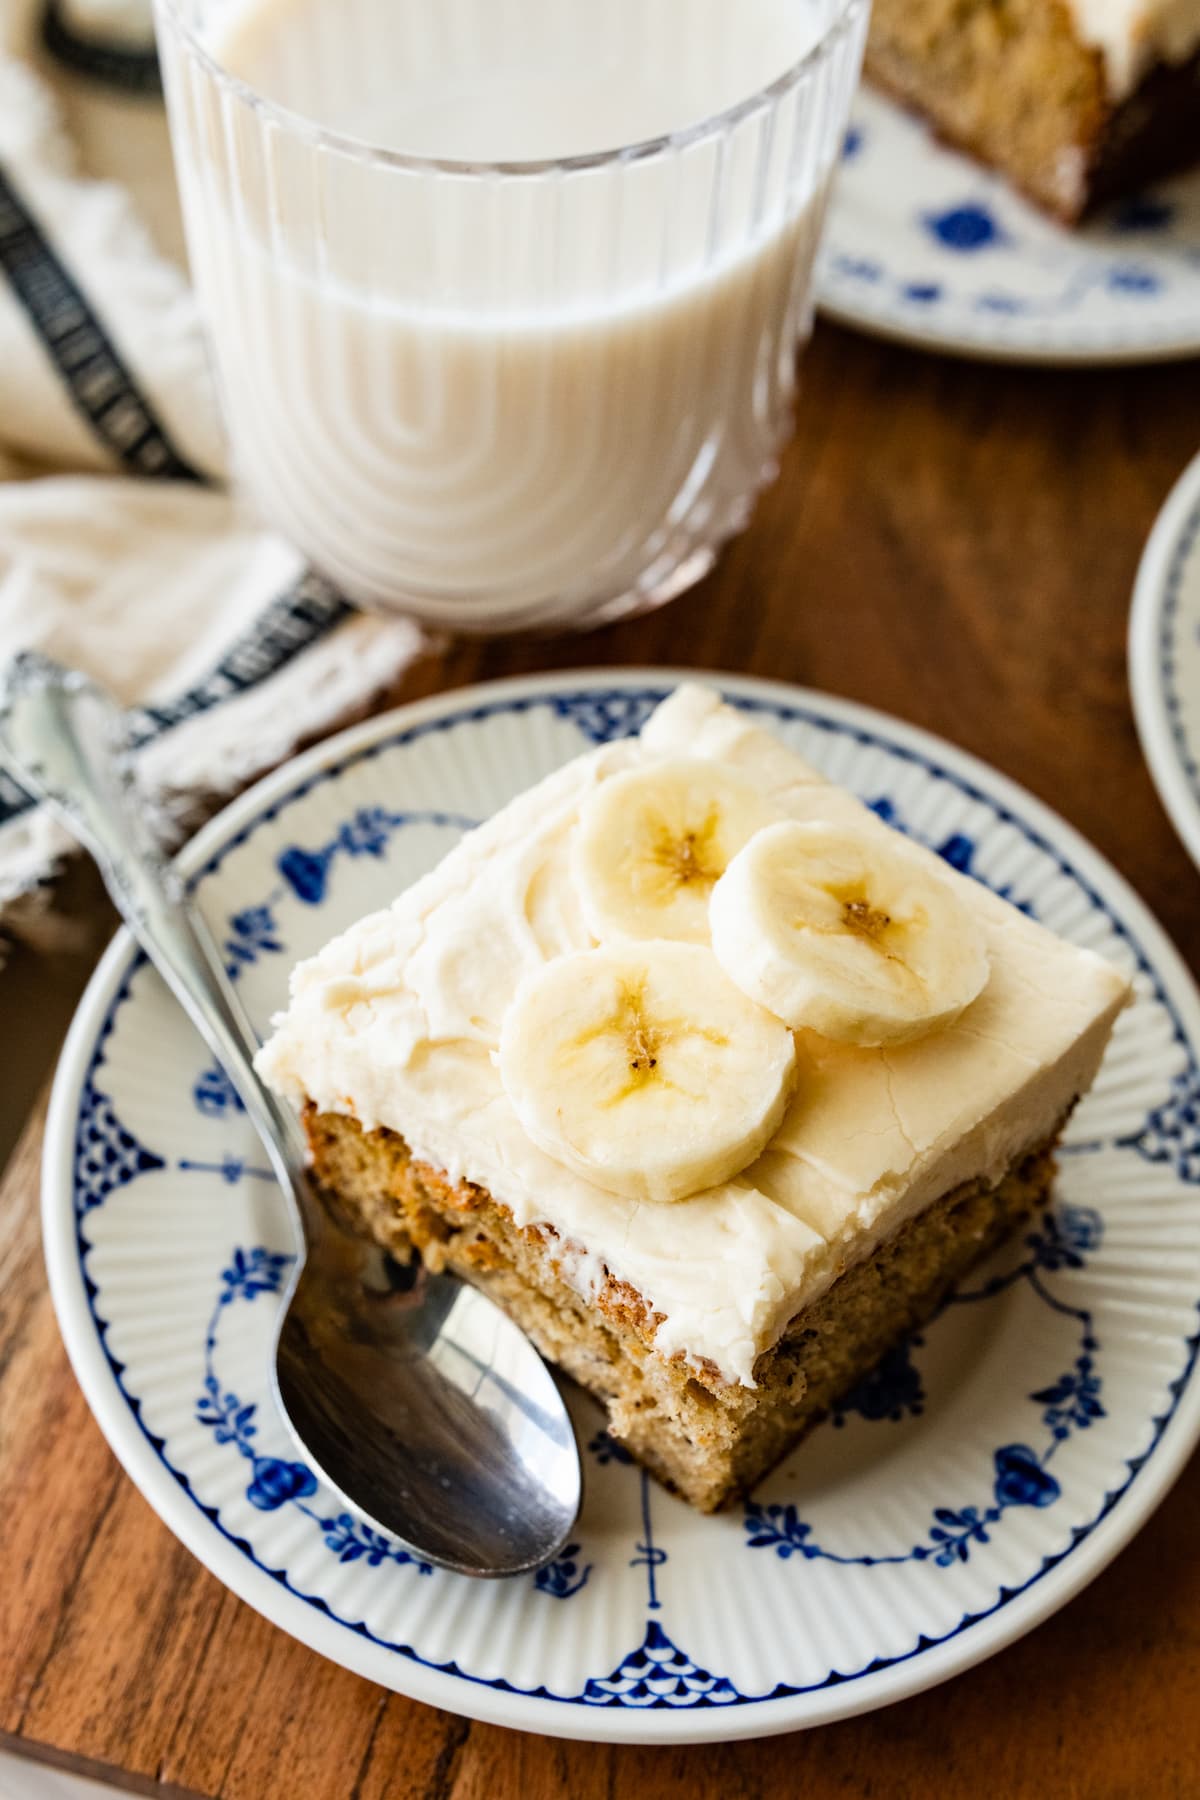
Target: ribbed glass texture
(505, 394)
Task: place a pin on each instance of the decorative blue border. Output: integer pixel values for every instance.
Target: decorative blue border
(1168, 663)
(656, 1675)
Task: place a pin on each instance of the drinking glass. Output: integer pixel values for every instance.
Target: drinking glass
(499, 391)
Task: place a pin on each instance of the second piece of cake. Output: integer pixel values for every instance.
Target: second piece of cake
(1076, 101)
(711, 1078)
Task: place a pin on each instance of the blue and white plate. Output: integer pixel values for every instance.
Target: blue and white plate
(924, 245)
(972, 1485)
(1164, 656)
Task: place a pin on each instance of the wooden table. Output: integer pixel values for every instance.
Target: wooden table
(954, 543)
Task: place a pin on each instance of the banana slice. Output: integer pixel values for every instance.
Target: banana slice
(845, 934)
(653, 842)
(643, 1067)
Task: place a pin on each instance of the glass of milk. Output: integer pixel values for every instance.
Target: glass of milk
(504, 295)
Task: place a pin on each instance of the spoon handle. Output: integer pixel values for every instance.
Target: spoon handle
(65, 740)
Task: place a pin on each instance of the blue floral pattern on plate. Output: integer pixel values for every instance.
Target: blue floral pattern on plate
(923, 244)
(1021, 1475)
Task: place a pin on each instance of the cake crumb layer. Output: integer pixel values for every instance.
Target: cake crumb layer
(705, 1438)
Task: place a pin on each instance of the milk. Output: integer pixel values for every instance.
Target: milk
(504, 398)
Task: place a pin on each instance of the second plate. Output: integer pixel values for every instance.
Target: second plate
(924, 245)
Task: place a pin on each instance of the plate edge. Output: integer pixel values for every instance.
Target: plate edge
(1148, 698)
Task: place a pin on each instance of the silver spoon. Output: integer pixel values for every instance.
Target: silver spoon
(412, 1396)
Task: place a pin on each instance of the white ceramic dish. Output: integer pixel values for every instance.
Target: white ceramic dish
(963, 1494)
(924, 245)
(1164, 655)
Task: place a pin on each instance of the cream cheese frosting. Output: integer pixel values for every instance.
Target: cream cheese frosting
(1133, 35)
(397, 1023)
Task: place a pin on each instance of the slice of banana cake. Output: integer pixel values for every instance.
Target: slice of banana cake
(712, 1079)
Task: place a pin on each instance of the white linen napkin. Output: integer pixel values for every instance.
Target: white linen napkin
(120, 551)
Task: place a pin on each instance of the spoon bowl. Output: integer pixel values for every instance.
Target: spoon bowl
(419, 1400)
(415, 1398)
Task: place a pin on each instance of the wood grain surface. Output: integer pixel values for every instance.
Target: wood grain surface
(952, 542)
